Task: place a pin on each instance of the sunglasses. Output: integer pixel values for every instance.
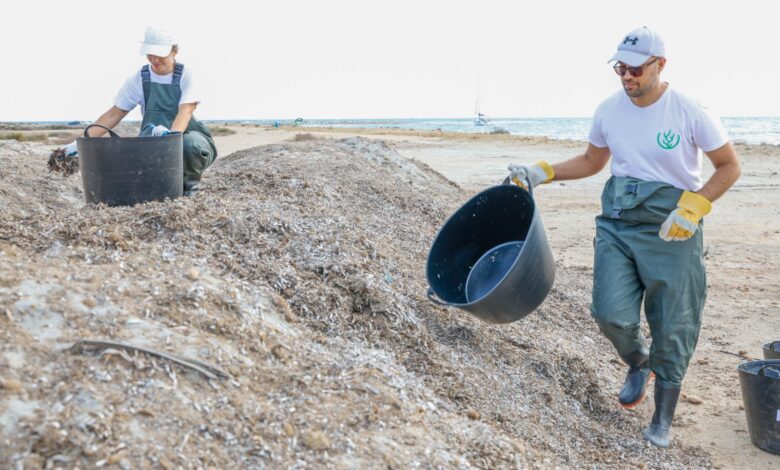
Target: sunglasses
(621, 69)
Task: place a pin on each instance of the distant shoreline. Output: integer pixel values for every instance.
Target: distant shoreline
(746, 130)
(53, 132)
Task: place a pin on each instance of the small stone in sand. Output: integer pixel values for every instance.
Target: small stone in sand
(519, 447)
(315, 440)
(193, 274)
(11, 385)
(473, 414)
(693, 399)
(115, 458)
(282, 305)
(281, 353)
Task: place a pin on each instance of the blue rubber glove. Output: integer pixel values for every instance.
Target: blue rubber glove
(71, 150)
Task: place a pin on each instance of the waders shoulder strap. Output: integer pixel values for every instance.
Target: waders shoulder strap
(146, 82)
(177, 71)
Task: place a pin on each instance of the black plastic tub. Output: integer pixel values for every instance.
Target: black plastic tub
(772, 350)
(760, 381)
(493, 223)
(123, 171)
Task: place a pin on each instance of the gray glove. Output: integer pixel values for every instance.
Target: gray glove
(160, 130)
(71, 149)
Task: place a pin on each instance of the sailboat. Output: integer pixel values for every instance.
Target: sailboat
(479, 118)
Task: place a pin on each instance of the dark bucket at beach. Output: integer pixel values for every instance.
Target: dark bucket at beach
(123, 171)
(760, 381)
(499, 235)
(772, 350)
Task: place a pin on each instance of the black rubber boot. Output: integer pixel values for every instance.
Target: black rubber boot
(190, 186)
(666, 397)
(639, 373)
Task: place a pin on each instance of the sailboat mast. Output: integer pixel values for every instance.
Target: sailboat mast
(477, 103)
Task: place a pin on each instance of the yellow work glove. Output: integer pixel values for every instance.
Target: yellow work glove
(537, 174)
(683, 221)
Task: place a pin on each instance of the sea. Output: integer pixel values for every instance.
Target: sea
(749, 130)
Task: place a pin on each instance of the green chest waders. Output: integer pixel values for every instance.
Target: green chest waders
(634, 265)
(161, 103)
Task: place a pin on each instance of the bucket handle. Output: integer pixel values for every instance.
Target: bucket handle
(110, 132)
(530, 189)
(432, 297)
(772, 345)
(761, 370)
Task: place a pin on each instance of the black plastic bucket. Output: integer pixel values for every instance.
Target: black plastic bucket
(488, 223)
(760, 382)
(123, 171)
(772, 350)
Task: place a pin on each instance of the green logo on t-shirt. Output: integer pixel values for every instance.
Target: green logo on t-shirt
(668, 142)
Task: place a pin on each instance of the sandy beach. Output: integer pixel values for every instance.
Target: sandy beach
(742, 239)
(299, 270)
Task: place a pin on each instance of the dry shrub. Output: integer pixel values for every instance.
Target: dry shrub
(221, 131)
(24, 136)
(304, 137)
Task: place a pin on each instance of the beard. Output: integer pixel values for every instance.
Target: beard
(639, 90)
(634, 93)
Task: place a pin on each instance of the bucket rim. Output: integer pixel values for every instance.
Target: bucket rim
(752, 367)
(160, 138)
(771, 346)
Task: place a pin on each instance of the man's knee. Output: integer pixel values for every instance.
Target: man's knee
(615, 326)
(198, 153)
(616, 315)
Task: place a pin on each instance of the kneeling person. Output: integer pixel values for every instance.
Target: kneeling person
(164, 89)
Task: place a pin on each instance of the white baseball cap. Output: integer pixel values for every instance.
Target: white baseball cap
(638, 46)
(157, 41)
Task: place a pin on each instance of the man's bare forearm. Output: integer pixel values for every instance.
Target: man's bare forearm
(720, 181)
(109, 119)
(183, 117)
(587, 164)
(727, 171)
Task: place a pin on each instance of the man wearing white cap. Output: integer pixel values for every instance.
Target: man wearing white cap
(166, 93)
(648, 245)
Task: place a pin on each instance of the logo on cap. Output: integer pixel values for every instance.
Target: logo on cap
(631, 40)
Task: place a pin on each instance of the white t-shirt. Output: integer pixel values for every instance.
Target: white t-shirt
(661, 142)
(132, 92)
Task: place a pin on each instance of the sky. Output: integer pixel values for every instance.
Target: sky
(385, 59)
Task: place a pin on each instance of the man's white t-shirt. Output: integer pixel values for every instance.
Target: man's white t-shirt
(661, 142)
(132, 92)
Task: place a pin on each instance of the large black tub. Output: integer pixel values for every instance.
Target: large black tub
(498, 229)
(760, 381)
(123, 171)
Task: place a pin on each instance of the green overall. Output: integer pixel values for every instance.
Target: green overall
(632, 262)
(161, 107)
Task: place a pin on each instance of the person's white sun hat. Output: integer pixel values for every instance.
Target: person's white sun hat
(157, 41)
(638, 46)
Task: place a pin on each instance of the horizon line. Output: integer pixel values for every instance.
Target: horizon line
(368, 118)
